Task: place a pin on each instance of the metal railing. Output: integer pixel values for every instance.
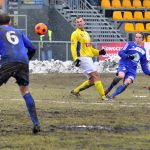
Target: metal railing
(60, 50)
(20, 21)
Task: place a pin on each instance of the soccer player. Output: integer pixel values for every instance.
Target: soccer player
(14, 62)
(82, 53)
(131, 54)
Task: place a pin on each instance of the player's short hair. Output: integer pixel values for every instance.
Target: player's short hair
(4, 19)
(143, 36)
(78, 17)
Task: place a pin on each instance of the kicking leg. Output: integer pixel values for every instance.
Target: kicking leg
(122, 87)
(115, 81)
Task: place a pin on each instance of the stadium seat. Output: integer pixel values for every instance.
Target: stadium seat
(138, 15)
(148, 27)
(126, 4)
(128, 15)
(146, 4)
(139, 27)
(147, 15)
(116, 4)
(105, 4)
(117, 15)
(148, 38)
(137, 4)
(129, 27)
(145, 40)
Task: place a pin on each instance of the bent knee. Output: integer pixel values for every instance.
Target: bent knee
(94, 76)
(121, 75)
(24, 90)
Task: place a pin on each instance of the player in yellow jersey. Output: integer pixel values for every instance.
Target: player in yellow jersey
(82, 53)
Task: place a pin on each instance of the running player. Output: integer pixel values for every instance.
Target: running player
(82, 53)
(131, 54)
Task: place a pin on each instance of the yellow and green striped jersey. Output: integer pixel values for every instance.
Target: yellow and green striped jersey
(81, 45)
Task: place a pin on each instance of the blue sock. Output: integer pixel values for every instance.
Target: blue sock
(119, 90)
(31, 108)
(114, 82)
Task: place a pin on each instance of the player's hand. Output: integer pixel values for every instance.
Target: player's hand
(131, 57)
(77, 62)
(102, 52)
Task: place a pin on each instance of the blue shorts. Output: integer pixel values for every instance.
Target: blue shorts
(129, 72)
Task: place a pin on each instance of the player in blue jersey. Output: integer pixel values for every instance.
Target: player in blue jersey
(131, 54)
(15, 52)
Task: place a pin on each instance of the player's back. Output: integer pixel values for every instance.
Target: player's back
(12, 47)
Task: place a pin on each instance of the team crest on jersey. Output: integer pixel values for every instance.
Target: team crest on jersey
(85, 36)
(88, 44)
(82, 35)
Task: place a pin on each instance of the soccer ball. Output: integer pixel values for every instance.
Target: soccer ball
(41, 29)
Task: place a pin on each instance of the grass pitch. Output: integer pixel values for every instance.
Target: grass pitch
(75, 124)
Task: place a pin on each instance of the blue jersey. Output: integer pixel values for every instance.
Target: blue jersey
(14, 45)
(139, 54)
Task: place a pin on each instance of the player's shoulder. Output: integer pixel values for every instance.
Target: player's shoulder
(131, 43)
(74, 33)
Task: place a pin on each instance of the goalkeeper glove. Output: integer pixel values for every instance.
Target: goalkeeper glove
(131, 57)
(102, 52)
(77, 62)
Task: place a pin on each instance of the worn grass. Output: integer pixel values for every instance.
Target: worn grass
(75, 124)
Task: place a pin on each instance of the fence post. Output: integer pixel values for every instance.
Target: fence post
(39, 51)
(67, 51)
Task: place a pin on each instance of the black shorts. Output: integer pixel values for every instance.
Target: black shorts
(17, 70)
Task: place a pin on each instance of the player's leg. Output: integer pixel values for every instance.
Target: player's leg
(22, 78)
(95, 79)
(121, 71)
(31, 107)
(83, 86)
(87, 66)
(129, 78)
(115, 81)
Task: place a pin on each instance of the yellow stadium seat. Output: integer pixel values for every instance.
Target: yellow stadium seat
(117, 15)
(138, 15)
(139, 27)
(129, 27)
(144, 39)
(126, 4)
(128, 15)
(105, 4)
(147, 15)
(116, 4)
(148, 27)
(137, 4)
(146, 4)
(148, 38)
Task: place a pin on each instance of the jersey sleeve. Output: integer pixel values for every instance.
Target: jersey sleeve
(95, 51)
(143, 62)
(74, 42)
(29, 46)
(123, 52)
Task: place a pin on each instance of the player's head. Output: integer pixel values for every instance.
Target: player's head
(4, 19)
(79, 22)
(139, 37)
